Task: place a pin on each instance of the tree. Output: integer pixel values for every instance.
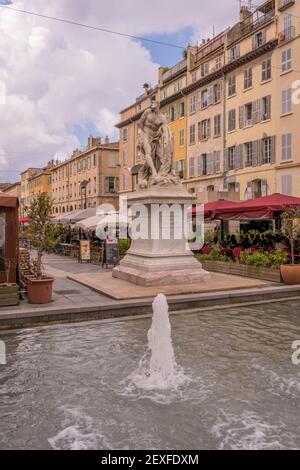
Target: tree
(40, 230)
(290, 229)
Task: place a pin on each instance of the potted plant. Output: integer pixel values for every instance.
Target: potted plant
(40, 232)
(290, 229)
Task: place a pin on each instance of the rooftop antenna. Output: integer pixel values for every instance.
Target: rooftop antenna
(214, 32)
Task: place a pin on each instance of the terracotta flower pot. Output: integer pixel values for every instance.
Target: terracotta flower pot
(39, 291)
(290, 273)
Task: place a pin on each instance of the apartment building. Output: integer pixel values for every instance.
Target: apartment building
(205, 95)
(25, 190)
(259, 117)
(173, 104)
(128, 128)
(233, 107)
(89, 178)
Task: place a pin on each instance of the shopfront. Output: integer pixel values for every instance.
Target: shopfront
(8, 238)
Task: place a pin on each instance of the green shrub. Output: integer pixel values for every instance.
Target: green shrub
(214, 255)
(264, 260)
(124, 246)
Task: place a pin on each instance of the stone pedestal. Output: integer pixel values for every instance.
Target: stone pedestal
(157, 261)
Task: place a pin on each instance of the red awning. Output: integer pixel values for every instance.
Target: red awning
(24, 220)
(260, 208)
(210, 208)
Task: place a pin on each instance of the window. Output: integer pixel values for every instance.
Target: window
(266, 108)
(193, 104)
(249, 114)
(218, 62)
(287, 185)
(125, 134)
(124, 182)
(231, 85)
(192, 134)
(191, 167)
(181, 109)
(259, 40)
(217, 125)
(234, 53)
(247, 78)
(177, 86)
(267, 150)
(286, 60)
(95, 184)
(266, 70)
(172, 114)
(217, 93)
(163, 94)
(194, 76)
(204, 129)
(249, 153)
(231, 120)
(111, 184)
(204, 99)
(288, 28)
(286, 150)
(204, 163)
(286, 101)
(111, 162)
(204, 69)
(181, 137)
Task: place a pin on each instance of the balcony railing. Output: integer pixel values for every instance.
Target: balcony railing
(174, 70)
(248, 27)
(285, 4)
(286, 35)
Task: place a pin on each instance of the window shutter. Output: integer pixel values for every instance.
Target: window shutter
(210, 95)
(269, 108)
(264, 188)
(208, 128)
(273, 149)
(260, 150)
(241, 156)
(210, 163)
(217, 166)
(254, 112)
(225, 159)
(253, 42)
(200, 165)
(255, 152)
(106, 187)
(235, 157)
(259, 111)
(242, 117)
(250, 190)
(117, 188)
(191, 167)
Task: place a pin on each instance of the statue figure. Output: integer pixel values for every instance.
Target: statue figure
(155, 147)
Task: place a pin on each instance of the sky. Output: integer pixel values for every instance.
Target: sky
(59, 82)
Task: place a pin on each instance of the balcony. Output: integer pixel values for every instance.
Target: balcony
(174, 71)
(249, 26)
(286, 35)
(285, 4)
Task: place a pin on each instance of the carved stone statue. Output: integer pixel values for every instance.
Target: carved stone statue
(155, 147)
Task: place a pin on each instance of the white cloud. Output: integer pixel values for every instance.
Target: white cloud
(60, 76)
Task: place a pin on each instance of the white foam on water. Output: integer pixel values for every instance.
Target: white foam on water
(79, 433)
(278, 384)
(248, 431)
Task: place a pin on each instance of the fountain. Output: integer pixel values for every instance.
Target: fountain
(160, 371)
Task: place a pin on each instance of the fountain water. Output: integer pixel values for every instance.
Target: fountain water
(160, 371)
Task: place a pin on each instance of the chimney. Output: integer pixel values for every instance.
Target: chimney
(245, 13)
(106, 140)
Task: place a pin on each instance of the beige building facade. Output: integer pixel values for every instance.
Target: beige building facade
(89, 178)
